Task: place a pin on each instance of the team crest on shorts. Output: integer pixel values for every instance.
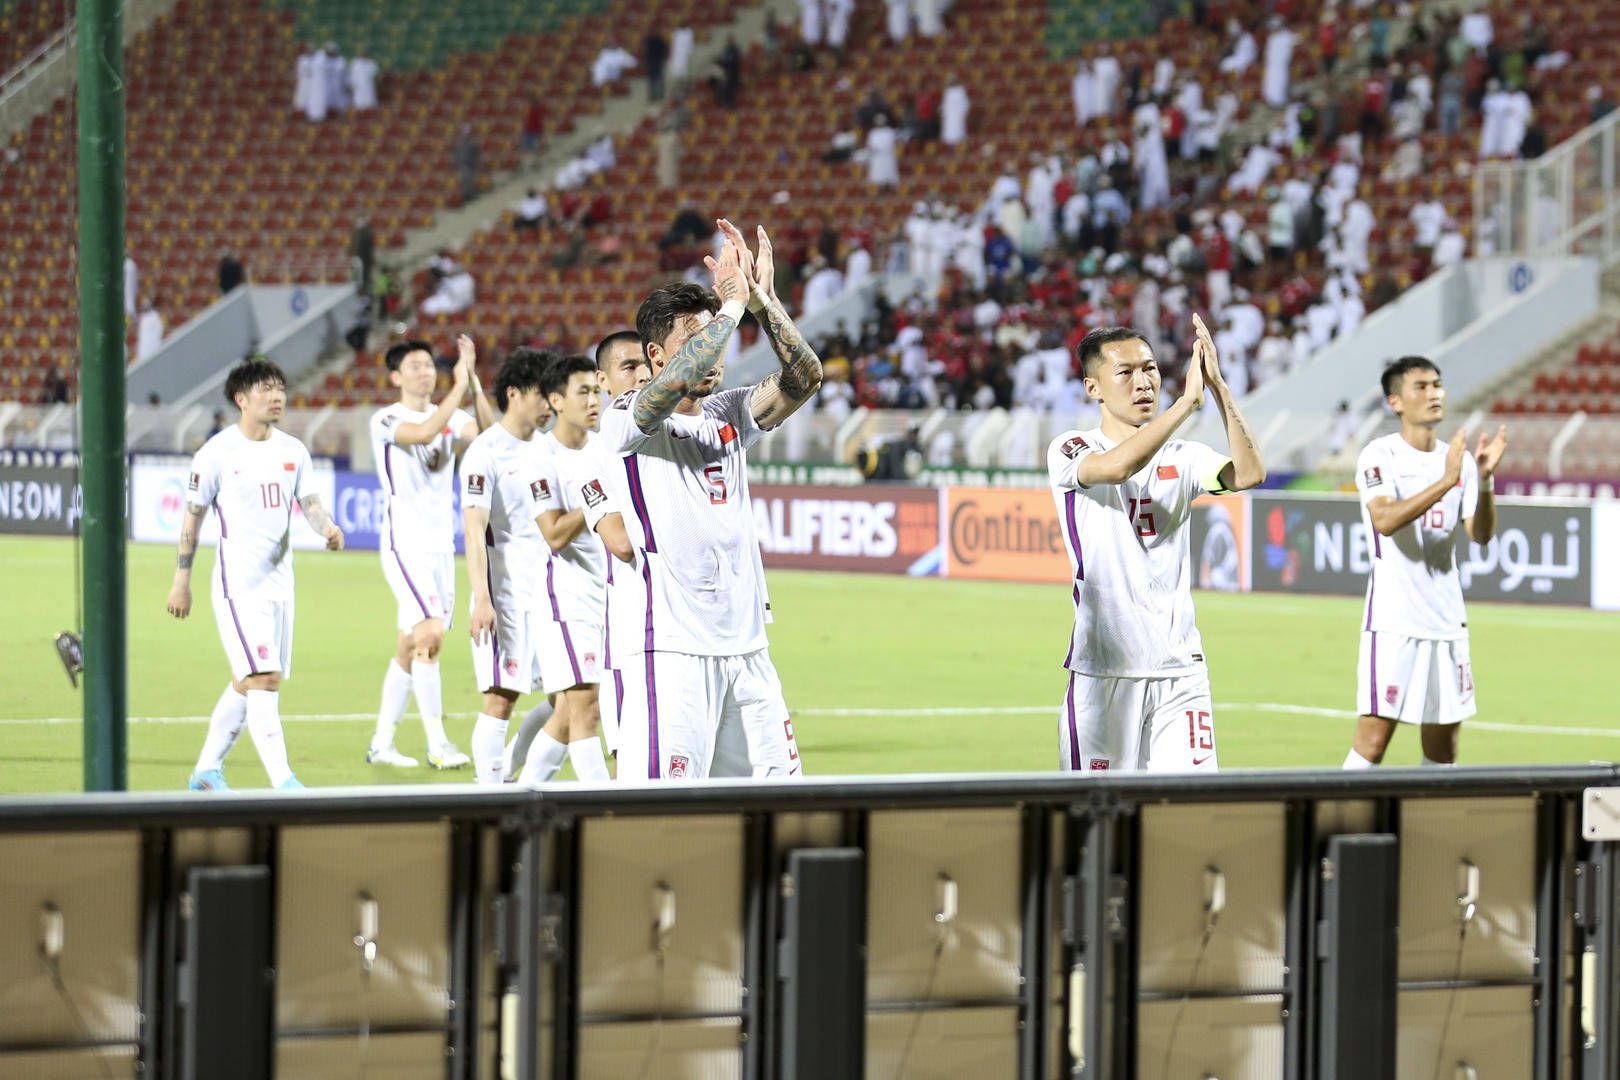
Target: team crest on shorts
(1097, 764)
(511, 666)
(264, 652)
(1073, 446)
(677, 765)
(590, 659)
(1391, 694)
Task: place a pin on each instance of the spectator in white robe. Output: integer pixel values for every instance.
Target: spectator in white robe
(1352, 309)
(1274, 355)
(609, 64)
(1164, 76)
(455, 293)
(1257, 165)
(930, 18)
(857, 265)
(1428, 217)
(821, 287)
(337, 78)
(899, 20)
(1083, 93)
(1516, 123)
(304, 74)
(1152, 169)
(316, 99)
(882, 156)
(1279, 54)
(1493, 114)
(918, 231)
(953, 114)
(1039, 190)
(1354, 234)
(679, 66)
(1450, 249)
(839, 13)
(1243, 52)
(810, 13)
(362, 82)
(942, 241)
(1108, 73)
(1321, 320)
(149, 330)
(1190, 100)
(1475, 28)
(968, 255)
(132, 279)
(1075, 213)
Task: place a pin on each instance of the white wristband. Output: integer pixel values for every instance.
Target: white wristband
(756, 299)
(733, 309)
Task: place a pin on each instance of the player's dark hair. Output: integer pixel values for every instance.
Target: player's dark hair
(250, 373)
(602, 347)
(523, 369)
(398, 351)
(563, 368)
(1091, 346)
(1396, 370)
(667, 303)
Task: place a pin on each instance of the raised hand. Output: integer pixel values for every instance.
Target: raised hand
(1455, 452)
(734, 235)
(765, 264)
(730, 283)
(1489, 454)
(1210, 361)
(1192, 391)
(466, 361)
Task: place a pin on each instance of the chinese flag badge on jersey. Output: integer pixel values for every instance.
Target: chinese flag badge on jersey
(1169, 472)
(289, 466)
(728, 435)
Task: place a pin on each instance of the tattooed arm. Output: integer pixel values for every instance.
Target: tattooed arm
(781, 393)
(179, 604)
(322, 522)
(700, 354)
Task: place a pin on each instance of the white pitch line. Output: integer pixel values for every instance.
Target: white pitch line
(1274, 707)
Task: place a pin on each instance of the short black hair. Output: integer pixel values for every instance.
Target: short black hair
(1396, 370)
(1091, 346)
(523, 369)
(561, 369)
(398, 351)
(657, 314)
(250, 373)
(600, 352)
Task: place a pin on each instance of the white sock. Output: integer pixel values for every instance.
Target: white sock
(1439, 764)
(586, 756)
(396, 691)
(429, 700)
(545, 758)
(264, 724)
(518, 752)
(230, 713)
(488, 744)
(1354, 760)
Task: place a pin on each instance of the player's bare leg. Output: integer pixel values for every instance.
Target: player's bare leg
(427, 637)
(1372, 740)
(548, 745)
(1440, 743)
(584, 746)
(396, 693)
(263, 693)
(489, 736)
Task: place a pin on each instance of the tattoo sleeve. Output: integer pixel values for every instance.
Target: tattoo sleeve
(315, 513)
(190, 524)
(780, 394)
(692, 363)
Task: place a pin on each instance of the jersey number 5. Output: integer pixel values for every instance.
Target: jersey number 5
(1142, 519)
(716, 476)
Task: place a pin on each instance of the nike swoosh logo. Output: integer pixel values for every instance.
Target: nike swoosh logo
(1199, 761)
(678, 435)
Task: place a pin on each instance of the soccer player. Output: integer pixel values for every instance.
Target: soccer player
(1415, 493)
(501, 492)
(571, 641)
(706, 699)
(1138, 695)
(415, 446)
(251, 475)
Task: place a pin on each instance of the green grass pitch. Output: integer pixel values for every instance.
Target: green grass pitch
(884, 675)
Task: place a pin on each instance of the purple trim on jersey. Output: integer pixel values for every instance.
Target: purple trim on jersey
(494, 641)
(225, 587)
(618, 692)
(1378, 545)
(1372, 676)
(1074, 728)
(556, 617)
(1074, 538)
(388, 468)
(219, 513)
(1069, 656)
(1372, 582)
(632, 472)
(654, 771)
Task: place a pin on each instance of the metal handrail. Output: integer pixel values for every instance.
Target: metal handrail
(18, 78)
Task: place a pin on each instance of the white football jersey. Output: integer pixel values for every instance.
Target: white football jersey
(1414, 588)
(502, 475)
(692, 524)
(599, 483)
(576, 580)
(418, 481)
(1128, 547)
(253, 487)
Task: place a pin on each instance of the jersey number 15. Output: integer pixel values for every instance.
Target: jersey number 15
(1141, 518)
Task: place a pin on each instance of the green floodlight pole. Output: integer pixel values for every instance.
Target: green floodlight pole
(101, 390)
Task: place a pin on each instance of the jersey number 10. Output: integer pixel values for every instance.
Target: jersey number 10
(270, 495)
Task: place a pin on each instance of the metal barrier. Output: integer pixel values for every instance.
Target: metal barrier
(1413, 923)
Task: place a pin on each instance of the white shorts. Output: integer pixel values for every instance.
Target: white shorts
(688, 717)
(424, 586)
(1414, 680)
(1158, 725)
(509, 658)
(257, 632)
(570, 653)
